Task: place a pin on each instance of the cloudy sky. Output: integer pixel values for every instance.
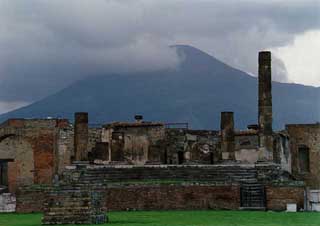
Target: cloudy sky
(46, 45)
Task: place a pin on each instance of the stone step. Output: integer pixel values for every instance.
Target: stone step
(253, 208)
(254, 197)
(167, 174)
(251, 187)
(253, 202)
(111, 174)
(254, 194)
(158, 176)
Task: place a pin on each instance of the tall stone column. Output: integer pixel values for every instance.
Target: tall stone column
(81, 136)
(265, 107)
(227, 136)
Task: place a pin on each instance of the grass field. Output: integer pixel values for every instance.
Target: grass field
(185, 218)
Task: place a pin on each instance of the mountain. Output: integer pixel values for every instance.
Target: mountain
(195, 92)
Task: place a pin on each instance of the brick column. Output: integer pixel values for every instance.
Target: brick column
(227, 136)
(265, 107)
(81, 136)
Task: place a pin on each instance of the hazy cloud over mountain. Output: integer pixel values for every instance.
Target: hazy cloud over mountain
(46, 45)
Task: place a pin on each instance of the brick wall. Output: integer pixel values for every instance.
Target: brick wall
(170, 197)
(31, 199)
(152, 197)
(34, 150)
(278, 197)
(43, 151)
(306, 135)
(21, 165)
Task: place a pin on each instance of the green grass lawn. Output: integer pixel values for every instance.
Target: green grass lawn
(185, 218)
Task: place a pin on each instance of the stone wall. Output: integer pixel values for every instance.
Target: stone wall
(306, 136)
(148, 197)
(21, 165)
(246, 146)
(69, 204)
(134, 143)
(94, 137)
(65, 148)
(279, 196)
(184, 196)
(192, 146)
(172, 197)
(31, 148)
(30, 199)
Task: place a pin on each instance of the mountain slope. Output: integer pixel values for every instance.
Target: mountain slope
(196, 92)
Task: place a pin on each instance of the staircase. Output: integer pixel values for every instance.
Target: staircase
(187, 173)
(252, 192)
(252, 196)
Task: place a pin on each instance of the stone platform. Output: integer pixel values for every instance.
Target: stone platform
(71, 202)
(162, 187)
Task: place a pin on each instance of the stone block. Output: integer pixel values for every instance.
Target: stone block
(291, 207)
(7, 203)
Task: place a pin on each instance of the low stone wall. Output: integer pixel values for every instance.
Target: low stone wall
(172, 197)
(74, 205)
(148, 197)
(279, 196)
(31, 198)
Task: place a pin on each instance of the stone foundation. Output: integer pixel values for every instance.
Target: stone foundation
(74, 205)
(161, 187)
(279, 196)
(30, 199)
(173, 197)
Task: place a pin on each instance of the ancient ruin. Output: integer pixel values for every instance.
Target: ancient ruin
(72, 202)
(75, 172)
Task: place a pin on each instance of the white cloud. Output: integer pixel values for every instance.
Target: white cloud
(46, 45)
(301, 58)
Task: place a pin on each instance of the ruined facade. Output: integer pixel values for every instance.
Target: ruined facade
(133, 143)
(304, 147)
(34, 151)
(29, 151)
(40, 151)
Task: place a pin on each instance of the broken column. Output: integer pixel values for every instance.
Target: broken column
(265, 107)
(81, 136)
(227, 136)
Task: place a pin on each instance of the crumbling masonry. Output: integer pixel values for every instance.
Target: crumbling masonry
(149, 165)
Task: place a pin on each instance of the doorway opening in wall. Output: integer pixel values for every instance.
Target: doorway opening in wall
(304, 159)
(180, 157)
(165, 157)
(4, 182)
(211, 158)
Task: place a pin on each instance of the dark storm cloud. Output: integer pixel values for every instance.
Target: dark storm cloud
(46, 45)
